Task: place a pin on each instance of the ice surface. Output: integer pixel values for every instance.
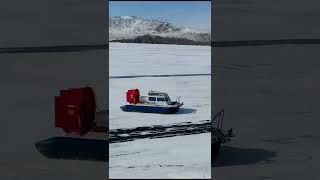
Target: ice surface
(194, 91)
(174, 157)
(146, 59)
(150, 59)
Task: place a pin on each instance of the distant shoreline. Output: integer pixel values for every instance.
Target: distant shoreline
(152, 39)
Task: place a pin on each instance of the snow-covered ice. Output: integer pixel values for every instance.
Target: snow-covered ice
(194, 92)
(174, 157)
(186, 157)
(150, 59)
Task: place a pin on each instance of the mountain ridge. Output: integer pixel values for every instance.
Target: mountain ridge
(131, 28)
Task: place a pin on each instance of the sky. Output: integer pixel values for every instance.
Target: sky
(192, 14)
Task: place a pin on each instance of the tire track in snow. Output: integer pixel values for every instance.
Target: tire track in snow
(159, 131)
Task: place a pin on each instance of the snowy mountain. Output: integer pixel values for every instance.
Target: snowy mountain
(131, 27)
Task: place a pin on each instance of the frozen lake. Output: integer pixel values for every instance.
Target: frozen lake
(155, 59)
(149, 59)
(175, 157)
(166, 157)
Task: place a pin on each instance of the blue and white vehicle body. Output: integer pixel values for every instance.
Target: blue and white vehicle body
(154, 102)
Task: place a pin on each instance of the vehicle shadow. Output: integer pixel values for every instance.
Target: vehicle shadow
(74, 149)
(186, 111)
(233, 156)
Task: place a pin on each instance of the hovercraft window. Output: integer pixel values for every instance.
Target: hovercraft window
(152, 99)
(160, 99)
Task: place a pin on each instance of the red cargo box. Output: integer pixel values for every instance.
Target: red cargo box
(133, 96)
(75, 110)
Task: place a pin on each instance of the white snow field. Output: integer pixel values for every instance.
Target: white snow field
(185, 157)
(174, 157)
(150, 59)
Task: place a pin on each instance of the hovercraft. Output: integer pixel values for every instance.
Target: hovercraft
(154, 102)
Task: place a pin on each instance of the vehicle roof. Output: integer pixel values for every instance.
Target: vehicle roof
(157, 93)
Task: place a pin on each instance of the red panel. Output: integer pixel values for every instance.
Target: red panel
(75, 110)
(58, 111)
(133, 96)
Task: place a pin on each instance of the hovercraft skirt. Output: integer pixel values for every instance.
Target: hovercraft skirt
(150, 109)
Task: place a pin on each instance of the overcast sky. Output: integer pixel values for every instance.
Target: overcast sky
(193, 14)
